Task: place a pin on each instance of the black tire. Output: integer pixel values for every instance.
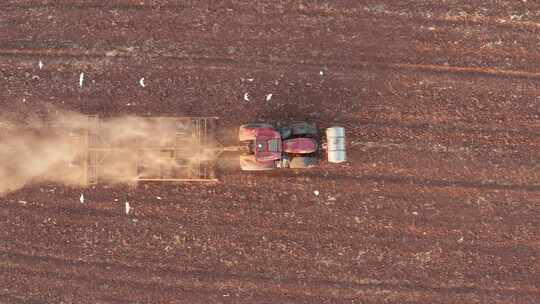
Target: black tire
(257, 125)
(285, 132)
(303, 129)
(301, 162)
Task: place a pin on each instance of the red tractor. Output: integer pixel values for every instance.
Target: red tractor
(295, 146)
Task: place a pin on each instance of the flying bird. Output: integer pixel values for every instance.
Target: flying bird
(81, 80)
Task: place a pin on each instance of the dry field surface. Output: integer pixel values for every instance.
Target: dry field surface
(439, 203)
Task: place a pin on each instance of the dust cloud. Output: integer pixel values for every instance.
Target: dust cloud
(62, 148)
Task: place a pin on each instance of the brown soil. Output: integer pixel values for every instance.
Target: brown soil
(439, 203)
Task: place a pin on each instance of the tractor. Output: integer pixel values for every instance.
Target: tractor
(187, 149)
(295, 146)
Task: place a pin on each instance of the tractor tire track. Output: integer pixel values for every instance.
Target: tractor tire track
(202, 282)
(374, 238)
(166, 214)
(225, 63)
(323, 12)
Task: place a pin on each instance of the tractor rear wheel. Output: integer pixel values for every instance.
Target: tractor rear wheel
(303, 129)
(301, 162)
(245, 131)
(249, 163)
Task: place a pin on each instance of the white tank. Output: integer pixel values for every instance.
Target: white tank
(336, 144)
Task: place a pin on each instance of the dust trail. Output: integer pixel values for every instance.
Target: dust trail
(56, 149)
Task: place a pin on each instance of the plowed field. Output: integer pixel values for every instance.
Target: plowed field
(439, 202)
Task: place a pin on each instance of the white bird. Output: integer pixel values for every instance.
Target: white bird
(141, 82)
(268, 97)
(321, 73)
(246, 97)
(316, 192)
(128, 208)
(81, 80)
(40, 64)
(81, 199)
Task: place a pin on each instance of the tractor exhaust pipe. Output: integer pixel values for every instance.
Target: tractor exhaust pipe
(335, 137)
